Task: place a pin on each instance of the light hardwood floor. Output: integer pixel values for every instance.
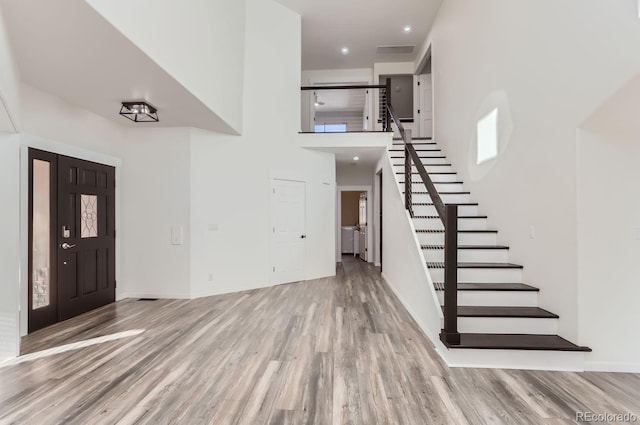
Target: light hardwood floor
(331, 351)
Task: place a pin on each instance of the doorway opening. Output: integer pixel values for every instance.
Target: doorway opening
(354, 219)
(378, 188)
(71, 233)
(423, 99)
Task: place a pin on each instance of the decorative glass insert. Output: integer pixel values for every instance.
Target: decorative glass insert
(41, 234)
(88, 216)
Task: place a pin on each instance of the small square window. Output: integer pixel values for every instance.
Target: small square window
(488, 137)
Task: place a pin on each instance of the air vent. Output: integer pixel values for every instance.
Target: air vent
(395, 50)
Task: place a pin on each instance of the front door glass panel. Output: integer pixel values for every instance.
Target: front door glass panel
(41, 234)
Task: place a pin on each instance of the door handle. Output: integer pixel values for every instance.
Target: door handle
(303, 236)
(67, 246)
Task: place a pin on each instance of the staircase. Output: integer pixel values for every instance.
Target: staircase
(496, 310)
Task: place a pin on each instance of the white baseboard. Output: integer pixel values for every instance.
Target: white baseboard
(620, 367)
(377, 264)
(423, 326)
(175, 296)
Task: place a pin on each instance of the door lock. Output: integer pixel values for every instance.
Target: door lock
(67, 246)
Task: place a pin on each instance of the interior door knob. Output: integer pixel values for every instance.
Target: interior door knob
(303, 236)
(67, 246)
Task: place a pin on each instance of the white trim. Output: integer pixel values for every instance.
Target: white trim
(423, 327)
(167, 296)
(620, 367)
(292, 177)
(363, 188)
(29, 141)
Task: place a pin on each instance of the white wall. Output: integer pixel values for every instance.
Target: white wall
(353, 119)
(9, 82)
(548, 79)
(10, 247)
(200, 43)
(230, 175)
(403, 266)
(153, 182)
(609, 232)
(10, 195)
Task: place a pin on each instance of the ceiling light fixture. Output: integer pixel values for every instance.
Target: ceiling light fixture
(139, 111)
(356, 158)
(407, 29)
(345, 50)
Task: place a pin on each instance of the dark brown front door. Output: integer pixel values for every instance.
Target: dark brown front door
(82, 271)
(86, 237)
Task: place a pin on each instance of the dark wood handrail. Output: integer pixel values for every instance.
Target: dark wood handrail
(448, 215)
(361, 86)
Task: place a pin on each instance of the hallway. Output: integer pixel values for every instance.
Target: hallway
(338, 350)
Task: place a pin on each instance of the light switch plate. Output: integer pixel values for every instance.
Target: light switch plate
(177, 237)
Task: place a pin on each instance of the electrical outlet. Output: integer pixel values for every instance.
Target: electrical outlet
(532, 232)
(210, 277)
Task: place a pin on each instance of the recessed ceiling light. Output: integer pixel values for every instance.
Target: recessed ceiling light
(356, 158)
(407, 29)
(345, 50)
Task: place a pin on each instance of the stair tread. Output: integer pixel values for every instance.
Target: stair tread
(440, 265)
(414, 138)
(417, 150)
(482, 286)
(429, 165)
(460, 216)
(499, 311)
(467, 247)
(459, 231)
(439, 192)
(422, 157)
(517, 342)
(473, 204)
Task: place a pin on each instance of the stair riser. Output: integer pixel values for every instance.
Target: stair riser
(446, 198)
(398, 167)
(466, 275)
(495, 298)
(463, 238)
(431, 210)
(418, 186)
(508, 325)
(455, 187)
(470, 255)
(437, 160)
(463, 223)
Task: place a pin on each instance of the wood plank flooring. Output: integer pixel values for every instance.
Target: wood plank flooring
(331, 351)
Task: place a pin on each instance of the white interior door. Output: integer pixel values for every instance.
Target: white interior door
(288, 230)
(426, 106)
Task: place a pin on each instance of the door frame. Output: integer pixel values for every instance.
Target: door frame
(272, 276)
(30, 141)
(417, 95)
(369, 191)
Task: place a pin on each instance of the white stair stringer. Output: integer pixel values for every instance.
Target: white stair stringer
(480, 246)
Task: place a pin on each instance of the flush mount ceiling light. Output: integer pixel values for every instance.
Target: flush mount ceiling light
(139, 111)
(345, 50)
(356, 158)
(407, 29)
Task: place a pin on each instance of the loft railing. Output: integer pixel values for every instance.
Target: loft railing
(448, 213)
(384, 91)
